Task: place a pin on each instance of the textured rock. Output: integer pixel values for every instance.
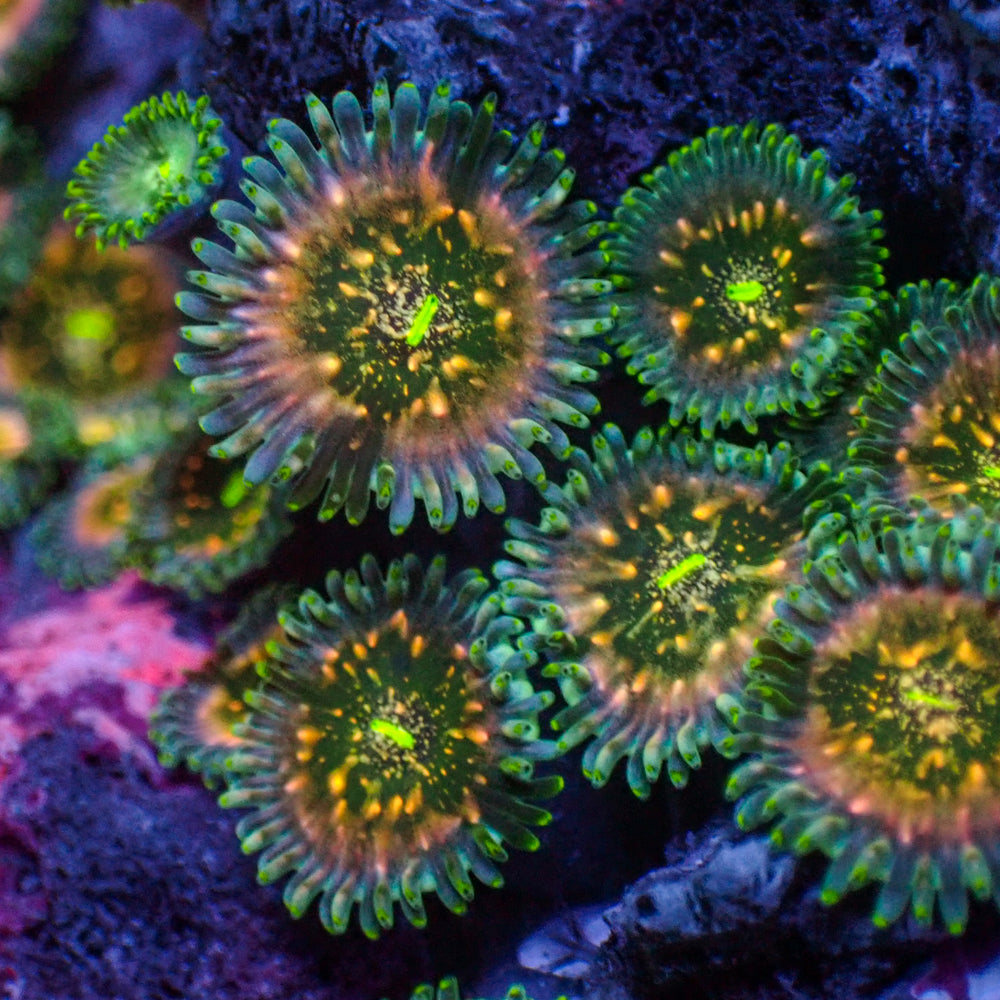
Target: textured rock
(730, 919)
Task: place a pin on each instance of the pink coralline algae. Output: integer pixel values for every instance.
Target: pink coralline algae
(98, 659)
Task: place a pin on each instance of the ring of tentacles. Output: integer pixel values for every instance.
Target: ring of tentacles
(871, 714)
(389, 753)
(643, 590)
(407, 310)
(748, 273)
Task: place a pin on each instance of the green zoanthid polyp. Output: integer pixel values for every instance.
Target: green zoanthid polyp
(81, 537)
(407, 310)
(928, 428)
(196, 525)
(163, 158)
(91, 330)
(389, 752)
(89, 326)
(872, 714)
(195, 721)
(748, 273)
(448, 989)
(644, 588)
